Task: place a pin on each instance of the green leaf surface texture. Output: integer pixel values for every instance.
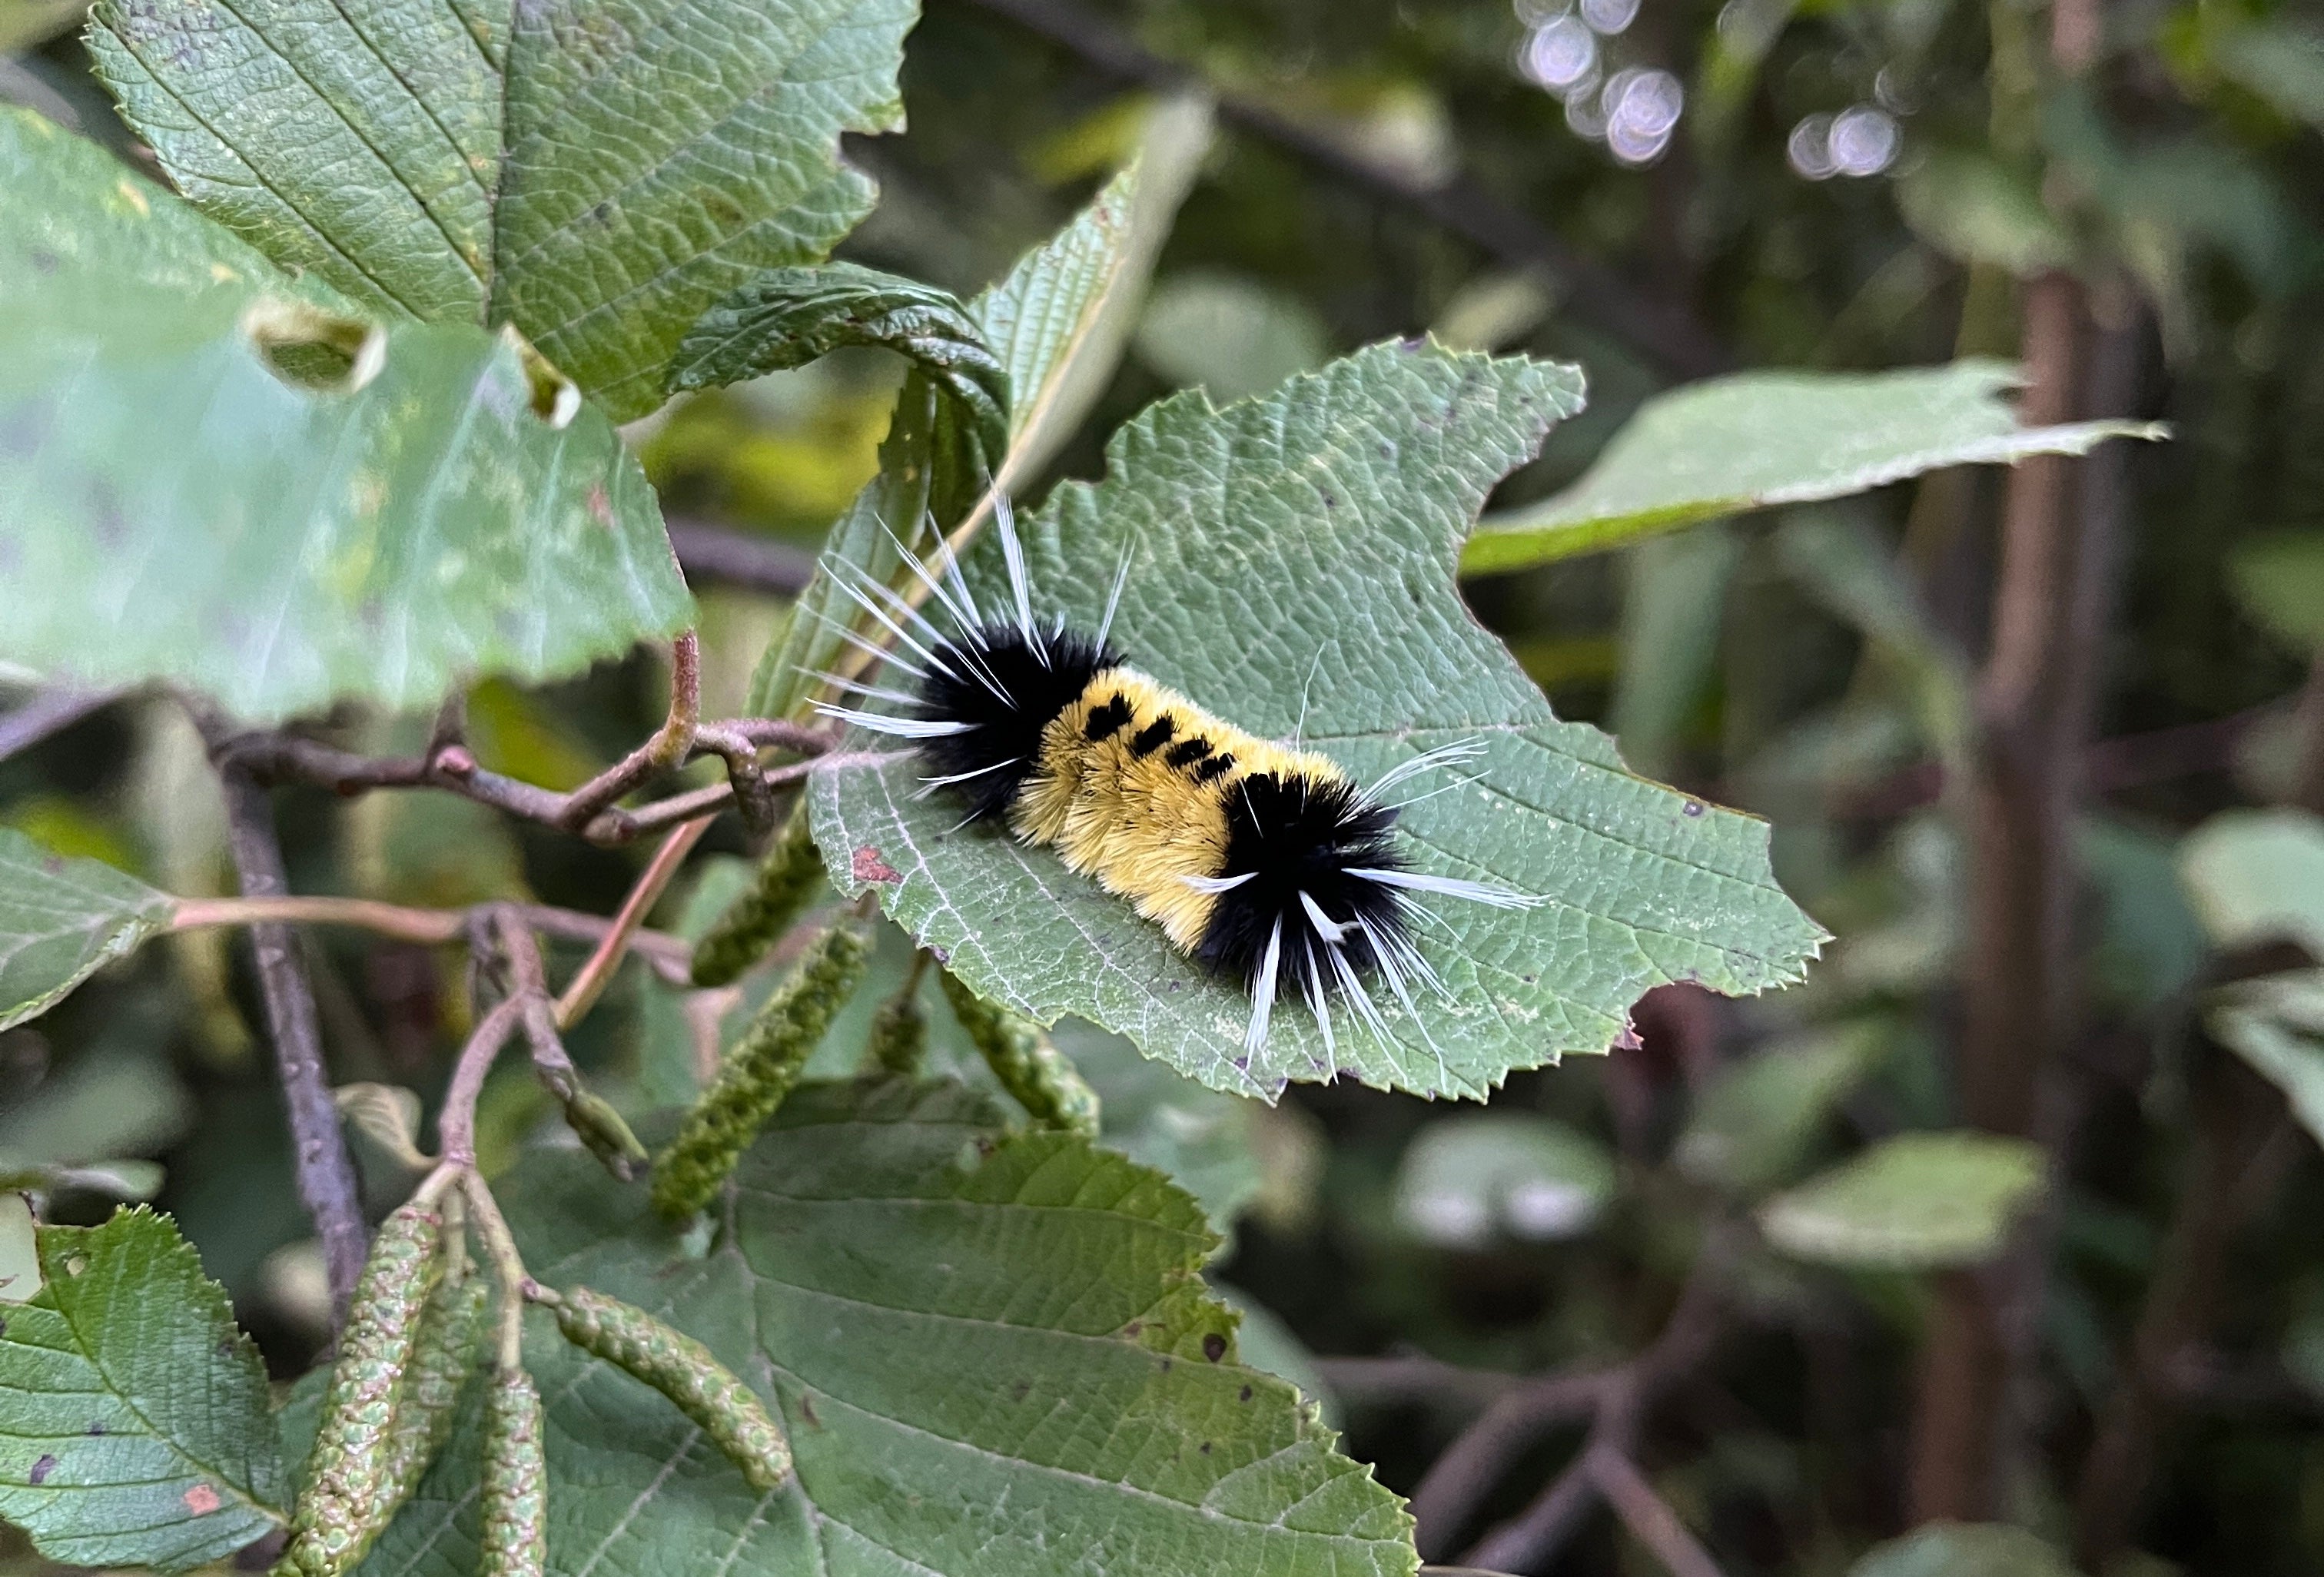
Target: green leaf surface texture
(62, 919)
(597, 172)
(1744, 442)
(789, 317)
(135, 1429)
(1291, 568)
(992, 1353)
(191, 512)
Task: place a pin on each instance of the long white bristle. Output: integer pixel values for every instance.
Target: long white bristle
(877, 654)
(1262, 992)
(937, 588)
(870, 692)
(1483, 892)
(1217, 884)
(869, 606)
(1328, 928)
(901, 728)
(1012, 550)
(1317, 1006)
(1113, 597)
(1443, 755)
(948, 567)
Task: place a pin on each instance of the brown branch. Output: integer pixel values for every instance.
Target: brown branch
(455, 1124)
(321, 1165)
(1630, 1392)
(287, 758)
(1595, 294)
(583, 992)
(671, 955)
(707, 551)
(1649, 1516)
(1458, 1481)
(2036, 702)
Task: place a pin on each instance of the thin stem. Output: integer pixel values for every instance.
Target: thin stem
(1649, 1516)
(670, 954)
(586, 987)
(456, 1126)
(668, 747)
(49, 712)
(508, 1267)
(324, 1172)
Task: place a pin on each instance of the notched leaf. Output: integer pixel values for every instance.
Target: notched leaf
(992, 1353)
(1291, 567)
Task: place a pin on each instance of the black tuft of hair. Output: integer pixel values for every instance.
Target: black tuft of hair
(1294, 835)
(1032, 679)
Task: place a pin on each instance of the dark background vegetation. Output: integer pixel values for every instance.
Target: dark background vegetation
(2115, 194)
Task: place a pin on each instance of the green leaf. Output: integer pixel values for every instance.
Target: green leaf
(1744, 442)
(357, 143)
(62, 920)
(662, 152)
(597, 172)
(1056, 323)
(1059, 320)
(1200, 1139)
(1963, 1549)
(1761, 1115)
(1291, 564)
(992, 1353)
(2258, 876)
(198, 506)
(788, 317)
(2277, 1024)
(2279, 579)
(134, 1428)
(1975, 208)
(1915, 1202)
(1469, 1180)
(2282, 62)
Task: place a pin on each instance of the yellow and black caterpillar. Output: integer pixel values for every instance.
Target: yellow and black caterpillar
(1264, 862)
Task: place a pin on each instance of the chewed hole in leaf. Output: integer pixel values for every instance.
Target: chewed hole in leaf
(314, 351)
(556, 398)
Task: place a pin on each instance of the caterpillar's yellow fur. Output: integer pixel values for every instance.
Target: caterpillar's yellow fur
(1144, 823)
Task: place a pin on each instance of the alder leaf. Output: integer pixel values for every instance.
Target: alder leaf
(134, 1429)
(1727, 445)
(597, 172)
(1294, 554)
(62, 920)
(993, 1353)
(216, 476)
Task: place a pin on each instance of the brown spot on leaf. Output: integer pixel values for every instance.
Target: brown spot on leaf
(201, 1500)
(806, 1410)
(868, 866)
(1131, 1329)
(601, 505)
(1245, 1395)
(41, 1469)
(1214, 1347)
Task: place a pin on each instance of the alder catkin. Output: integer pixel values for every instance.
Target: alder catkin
(516, 1480)
(898, 1041)
(1041, 1078)
(786, 882)
(706, 1392)
(343, 1505)
(442, 1357)
(759, 1071)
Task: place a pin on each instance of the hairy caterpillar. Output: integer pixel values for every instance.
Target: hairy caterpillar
(1264, 862)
